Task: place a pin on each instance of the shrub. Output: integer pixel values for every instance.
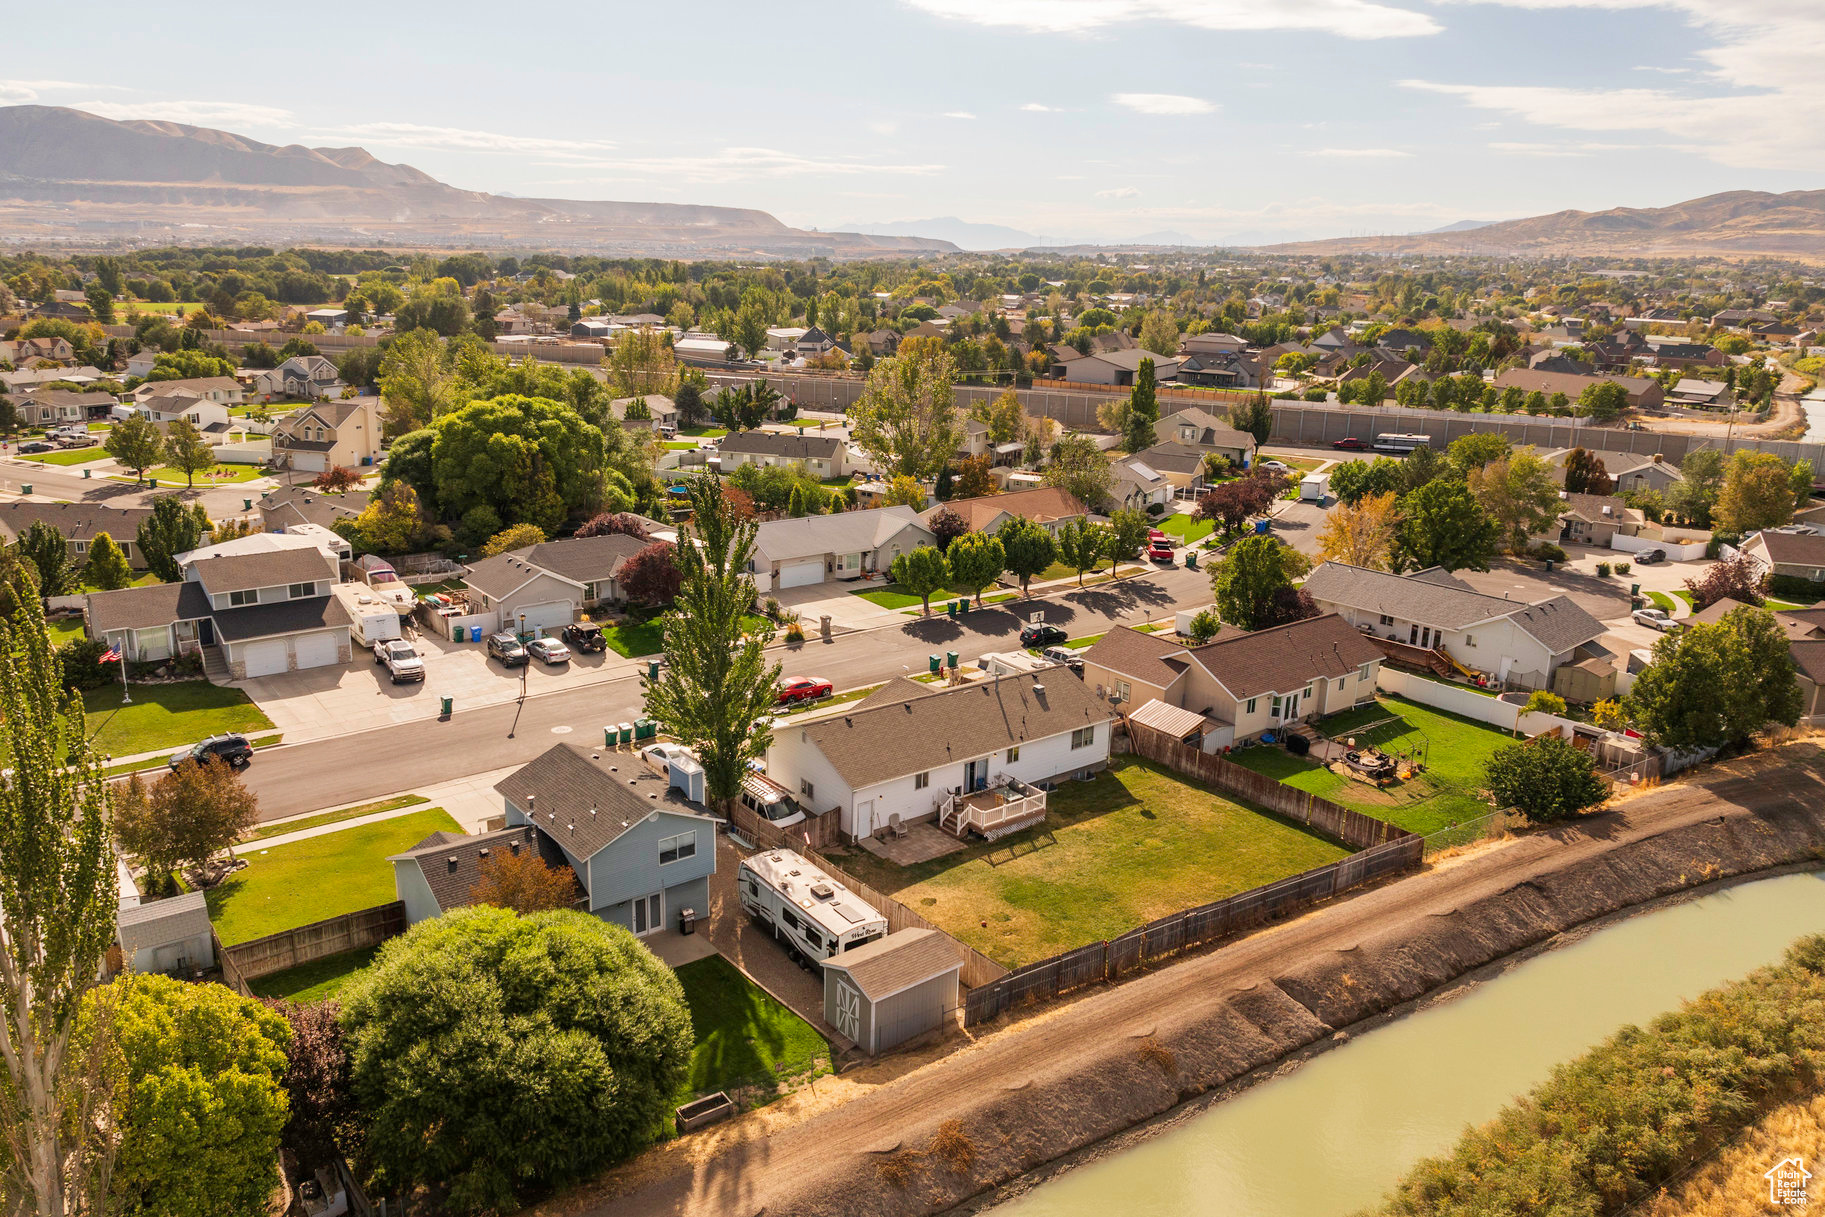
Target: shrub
(80, 659)
(1603, 570)
(1546, 551)
(1156, 509)
(1315, 394)
(1623, 568)
(336, 479)
(1544, 779)
(1794, 588)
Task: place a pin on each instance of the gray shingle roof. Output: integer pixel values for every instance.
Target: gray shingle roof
(451, 862)
(239, 572)
(1173, 457)
(1156, 659)
(301, 505)
(906, 727)
(159, 923)
(1793, 548)
(899, 961)
(792, 446)
(844, 533)
(1287, 657)
(76, 521)
(584, 559)
(139, 608)
(585, 804)
(282, 617)
(1433, 597)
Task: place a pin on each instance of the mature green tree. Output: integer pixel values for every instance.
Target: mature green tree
(1252, 577)
(689, 398)
(1029, 549)
(1716, 684)
(1545, 779)
(1604, 402)
(45, 549)
(464, 1016)
(1207, 624)
(57, 912)
(976, 560)
(107, 567)
(185, 818)
(530, 460)
(1128, 529)
(1143, 408)
(190, 364)
(1082, 545)
(1355, 480)
(1757, 493)
(9, 418)
(1694, 495)
(1479, 448)
(1441, 525)
(199, 1097)
(1255, 416)
(1080, 468)
(135, 443)
(514, 536)
(642, 363)
(186, 450)
(1521, 494)
(418, 384)
(716, 688)
(101, 304)
(907, 419)
(922, 572)
(1160, 333)
(438, 311)
(173, 528)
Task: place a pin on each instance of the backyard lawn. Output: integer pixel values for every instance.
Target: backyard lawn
(318, 980)
(166, 716)
(703, 432)
(1185, 528)
(1137, 843)
(283, 887)
(743, 1035)
(68, 456)
(68, 630)
(1445, 794)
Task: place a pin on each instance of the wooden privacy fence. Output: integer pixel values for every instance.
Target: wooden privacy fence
(1103, 962)
(247, 961)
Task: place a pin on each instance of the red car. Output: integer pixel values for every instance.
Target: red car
(1350, 443)
(1160, 551)
(804, 688)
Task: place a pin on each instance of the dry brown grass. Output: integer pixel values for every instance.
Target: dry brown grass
(1152, 1050)
(897, 1170)
(952, 1146)
(1730, 1183)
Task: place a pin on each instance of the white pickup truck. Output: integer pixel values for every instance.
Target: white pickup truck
(399, 659)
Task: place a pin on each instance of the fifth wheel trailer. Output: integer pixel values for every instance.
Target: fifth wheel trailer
(812, 915)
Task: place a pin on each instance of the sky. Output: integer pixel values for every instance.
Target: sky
(1232, 121)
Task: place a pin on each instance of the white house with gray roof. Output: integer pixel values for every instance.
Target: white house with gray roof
(543, 587)
(1433, 611)
(821, 456)
(809, 550)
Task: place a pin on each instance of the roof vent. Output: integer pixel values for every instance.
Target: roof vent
(592, 813)
(452, 864)
(483, 852)
(515, 847)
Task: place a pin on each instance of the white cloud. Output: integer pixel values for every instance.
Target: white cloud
(1119, 192)
(1759, 102)
(1648, 67)
(232, 115)
(965, 114)
(732, 164)
(1367, 154)
(1034, 107)
(1562, 149)
(1163, 103)
(461, 139)
(1345, 18)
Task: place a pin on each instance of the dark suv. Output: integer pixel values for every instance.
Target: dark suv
(585, 636)
(506, 648)
(1042, 636)
(234, 750)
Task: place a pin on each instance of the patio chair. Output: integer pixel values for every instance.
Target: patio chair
(894, 826)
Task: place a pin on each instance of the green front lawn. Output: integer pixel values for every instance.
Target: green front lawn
(167, 716)
(1137, 843)
(630, 639)
(1447, 793)
(68, 456)
(1662, 601)
(318, 980)
(1186, 529)
(318, 878)
(704, 432)
(893, 596)
(215, 475)
(744, 1037)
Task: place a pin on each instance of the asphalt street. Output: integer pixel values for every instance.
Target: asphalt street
(293, 779)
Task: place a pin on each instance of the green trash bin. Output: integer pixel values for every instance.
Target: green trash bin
(652, 669)
(26, 487)
(446, 701)
(627, 732)
(88, 473)
(950, 660)
(643, 729)
(1191, 559)
(608, 736)
(937, 664)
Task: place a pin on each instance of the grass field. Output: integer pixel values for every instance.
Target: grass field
(630, 639)
(318, 878)
(704, 432)
(1133, 845)
(318, 980)
(1185, 528)
(1446, 793)
(282, 827)
(215, 475)
(67, 630)
(743, 1035)
(165, 716)
(68, 456)
(893, 596)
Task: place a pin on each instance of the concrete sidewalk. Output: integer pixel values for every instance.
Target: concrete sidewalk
(471, 802)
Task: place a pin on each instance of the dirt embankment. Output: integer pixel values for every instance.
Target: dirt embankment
(1037, 1091)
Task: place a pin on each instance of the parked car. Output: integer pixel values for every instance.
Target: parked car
(37, 445)
(1654, 619)
(1276, 466)
(1350, 443)
(659, 757)
(232, 750)
(804, 688)
(400, 660)
(1650, 557)
(71, 439)
(1065, 655)
(548, 651)
(767, 799)
(506, 648)
(586, 637)
(1160, 551)
(1042, 636)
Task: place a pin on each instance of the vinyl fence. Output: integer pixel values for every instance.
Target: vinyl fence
(1468, 703)
(248, 961)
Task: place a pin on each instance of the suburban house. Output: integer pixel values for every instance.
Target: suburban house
(223, 390)
(1792, 555)
(250, 615)
(1137, 485)
(1683, 355)
(26, 379)
(50, 407)
(642, 851)
(1047, 506)
(812, 549)
(1626, 470)
(1198, 428)
(440, 872)
(543, 587)
(289, 505)
(1701, 394)
(1212, 343)
(1643, 393)
(821, 456)
(908, 748)
(22, 351)
(1594, 519)
(1222, 370)
(1805, 630)
(345, 433)
(882, 343)
(813, 342)
(1180, 464)
(1434, 620)
(1237, 685)
(311, 377)
(1118, 367)
(80, 524)
(706, 347)
(661, 412)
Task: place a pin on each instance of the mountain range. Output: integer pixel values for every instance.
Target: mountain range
(67, 173)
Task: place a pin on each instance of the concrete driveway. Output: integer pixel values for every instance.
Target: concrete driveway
(836, 599)
(359, 696)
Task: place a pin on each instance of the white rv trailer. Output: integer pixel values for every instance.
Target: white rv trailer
(813, 915)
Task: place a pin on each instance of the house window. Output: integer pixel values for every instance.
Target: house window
(82, 547)
(299, 591)
(807, 789)
(1250, 708)
(921, 781)
(1124, 691)
(592, 591)
(1362, 673)
(243, 596)
(1386, 620)
(1469, 640)
(1340, 684)
(673, 849)
(1013, 755)
(1083, 737)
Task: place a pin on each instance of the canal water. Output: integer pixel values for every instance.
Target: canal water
(1334, 1136)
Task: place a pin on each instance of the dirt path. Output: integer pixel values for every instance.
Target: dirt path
(1037, 1089)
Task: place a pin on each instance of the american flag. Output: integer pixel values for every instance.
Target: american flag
(111, 655)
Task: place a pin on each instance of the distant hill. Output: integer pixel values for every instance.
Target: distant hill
(65, 172)
(1460, 226)
(964, 234)
(1737, 223)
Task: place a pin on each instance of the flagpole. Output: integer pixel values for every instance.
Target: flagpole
(126, 694)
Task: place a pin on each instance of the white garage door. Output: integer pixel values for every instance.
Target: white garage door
(265, 658)
(802, 574)
(309, 462)
(317, 650)
(550, 617)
